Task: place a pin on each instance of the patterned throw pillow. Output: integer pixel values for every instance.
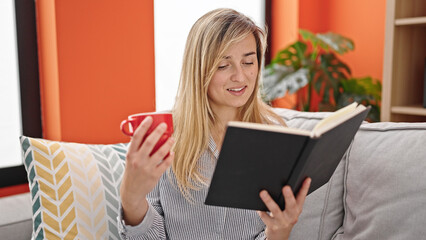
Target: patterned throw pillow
(74, 188)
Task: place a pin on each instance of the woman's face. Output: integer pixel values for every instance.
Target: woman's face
(234, 80)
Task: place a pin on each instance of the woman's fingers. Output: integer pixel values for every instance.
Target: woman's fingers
(139, 134)
(270, 203)
(150, 141)
(289, 198)
(291, 207)
(166, 163)
(141, 146)
(162, 152)
(265, 218)
(279, 223)
(301, 196)
(294, 205)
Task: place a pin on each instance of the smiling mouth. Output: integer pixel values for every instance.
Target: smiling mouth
(236, 89)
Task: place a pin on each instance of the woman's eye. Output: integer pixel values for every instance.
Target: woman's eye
(222, 67)
(249, 63)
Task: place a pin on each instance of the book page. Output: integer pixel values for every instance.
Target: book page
(336, 118)
(271, 128)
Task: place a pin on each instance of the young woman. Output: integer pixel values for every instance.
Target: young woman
(219, 83)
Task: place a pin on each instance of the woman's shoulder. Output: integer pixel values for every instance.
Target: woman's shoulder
(274, 119)
(269, 116)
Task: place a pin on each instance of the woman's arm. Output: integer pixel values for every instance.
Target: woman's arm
(142, 173)
(152, 225)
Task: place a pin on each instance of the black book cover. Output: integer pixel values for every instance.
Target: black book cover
(252, 160)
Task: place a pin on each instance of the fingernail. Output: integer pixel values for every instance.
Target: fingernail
(162, 126)
(147, 119)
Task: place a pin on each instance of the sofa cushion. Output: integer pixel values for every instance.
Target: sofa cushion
(74, 188)
(15, 218)
(385, 190)
(323, 213)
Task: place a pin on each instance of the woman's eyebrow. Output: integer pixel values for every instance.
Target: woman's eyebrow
(248, 54)
(244, 55)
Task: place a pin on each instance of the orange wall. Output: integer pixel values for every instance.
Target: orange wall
(284, 31)
(100, 56)
(363, 21)
(97, 57)
(283, 12)
(314, 15)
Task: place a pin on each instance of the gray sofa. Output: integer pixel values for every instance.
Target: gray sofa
(378, 191)
(15, 217)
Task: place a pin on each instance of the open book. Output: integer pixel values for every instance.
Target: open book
(259, 156)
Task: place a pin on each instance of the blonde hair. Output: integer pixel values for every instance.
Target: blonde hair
(209, 38)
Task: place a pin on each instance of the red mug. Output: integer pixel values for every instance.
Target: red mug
(129, 125)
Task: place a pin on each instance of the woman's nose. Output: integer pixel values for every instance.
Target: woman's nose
(238, 74)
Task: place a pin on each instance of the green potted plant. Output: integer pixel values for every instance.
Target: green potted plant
(312, 65)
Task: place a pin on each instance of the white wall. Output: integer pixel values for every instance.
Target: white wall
(172, 22)
(10, 108)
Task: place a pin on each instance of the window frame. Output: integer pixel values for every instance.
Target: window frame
(26, 35)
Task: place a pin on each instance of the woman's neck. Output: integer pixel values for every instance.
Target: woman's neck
(219, 126)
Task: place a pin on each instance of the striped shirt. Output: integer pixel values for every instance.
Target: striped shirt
(171, 216)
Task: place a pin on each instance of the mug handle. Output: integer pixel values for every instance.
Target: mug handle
(124, 129)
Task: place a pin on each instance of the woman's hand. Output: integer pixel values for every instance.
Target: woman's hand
(142, 171)
(280, 223)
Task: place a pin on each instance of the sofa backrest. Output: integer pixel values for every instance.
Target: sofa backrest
(377, 192)
(385, 183)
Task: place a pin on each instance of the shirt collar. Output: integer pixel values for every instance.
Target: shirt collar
(213, 148)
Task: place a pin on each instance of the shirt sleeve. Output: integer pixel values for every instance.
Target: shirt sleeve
(151, 227)
(261, 236)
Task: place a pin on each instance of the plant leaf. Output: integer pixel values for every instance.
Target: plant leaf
(293, 55)
(330, 71)
(363, 86)
(308, 36)
(337, 42)
(279, 79)
(363, 90)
